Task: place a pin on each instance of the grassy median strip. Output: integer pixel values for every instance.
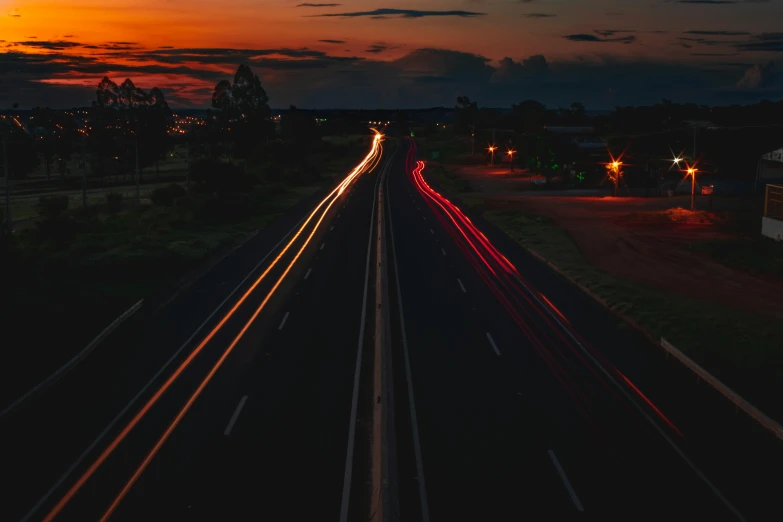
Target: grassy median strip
(728, 343)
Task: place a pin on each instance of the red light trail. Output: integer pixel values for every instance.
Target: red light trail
(520, 299)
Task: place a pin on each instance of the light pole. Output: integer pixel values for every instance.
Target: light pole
(492, 150)
(692, 174)
(511, 158)
(614, 169)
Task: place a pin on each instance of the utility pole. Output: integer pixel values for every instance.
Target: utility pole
(138, 176)
(84, 178)
(7, 174)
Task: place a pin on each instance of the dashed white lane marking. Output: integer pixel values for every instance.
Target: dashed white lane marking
(432, 232)
(444, 252)
(308, 273)
(282, 323)
(492, 343)
(461, 285)
(331, 228)
(235, 416)
(322, 246)
(567, 484)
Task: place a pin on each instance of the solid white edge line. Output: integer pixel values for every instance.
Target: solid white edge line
(282, 323)
(425, 510)
(154, 378)
(347, 477)
(566, 483)
(641, 410)
(308, 273)
(235, 416)
(72, 363)
(461, 285)
(492, 342)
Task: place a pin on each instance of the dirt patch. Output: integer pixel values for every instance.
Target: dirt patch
(646, 240)
(498, 178)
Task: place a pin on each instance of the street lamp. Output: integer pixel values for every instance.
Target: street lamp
(492, 150)
(511, 158)
(692, 174)
(614, 173)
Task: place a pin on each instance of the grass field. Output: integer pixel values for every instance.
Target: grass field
(81, 270)
(733, 345)
(760, 256)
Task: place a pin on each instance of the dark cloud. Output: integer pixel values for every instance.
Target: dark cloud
(15, 15)
(166, 47)
(432, 79)
(377, 48)
(703, 41)
(420, 78)
(713, 54)
(772, 42)
(333, 41)
(302, 58)
(54, 45)
(612, 32)
(318, 5)
(539, 15)
(509, 71)
(718, 33)
(31, 37)
(69, 36)
(593, 38)
(384, 13)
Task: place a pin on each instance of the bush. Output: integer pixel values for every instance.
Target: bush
(216, 177)
(168, 195)
(113, 202)
(52, 208)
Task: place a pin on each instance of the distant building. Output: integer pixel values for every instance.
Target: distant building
(583, 136)
(770, 167)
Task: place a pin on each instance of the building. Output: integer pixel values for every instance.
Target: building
(770, 169)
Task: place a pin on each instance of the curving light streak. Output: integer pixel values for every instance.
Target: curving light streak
(369, 162)
(508, 282)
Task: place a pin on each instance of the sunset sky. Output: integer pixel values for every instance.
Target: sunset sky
(368, 53)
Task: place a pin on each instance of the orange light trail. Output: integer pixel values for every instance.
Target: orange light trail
(368, 163)
(508, 281)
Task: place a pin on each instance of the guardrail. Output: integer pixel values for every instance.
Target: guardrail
(724, 390)
(773, 202)
(57, 375)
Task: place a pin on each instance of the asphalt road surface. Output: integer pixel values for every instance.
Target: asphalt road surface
(515, 397)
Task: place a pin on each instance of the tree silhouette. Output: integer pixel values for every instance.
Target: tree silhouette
(128, 117)
(243, 110)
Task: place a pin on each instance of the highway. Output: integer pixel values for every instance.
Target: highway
(512, 396)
